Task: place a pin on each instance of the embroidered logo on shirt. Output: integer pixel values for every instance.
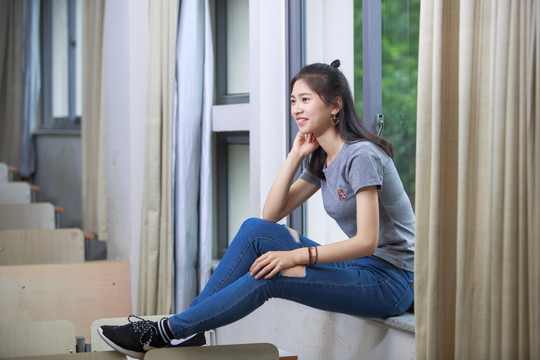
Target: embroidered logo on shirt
(341, 194)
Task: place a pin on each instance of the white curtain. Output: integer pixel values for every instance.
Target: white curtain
(155, 262)
(94, 124)
(477, 274)
(192, 151)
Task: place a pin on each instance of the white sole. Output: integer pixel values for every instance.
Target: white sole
(130, 353)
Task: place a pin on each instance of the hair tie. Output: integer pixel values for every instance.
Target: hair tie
(336, 63)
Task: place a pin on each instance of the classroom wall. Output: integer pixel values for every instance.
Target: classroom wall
(58, 159)
(58, 170)
(126, 46)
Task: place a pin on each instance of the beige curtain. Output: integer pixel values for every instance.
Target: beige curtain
(93, 128)
(478, 170)
(154, 294)
(11, 80)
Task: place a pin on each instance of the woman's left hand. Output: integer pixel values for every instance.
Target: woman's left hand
(271, 263)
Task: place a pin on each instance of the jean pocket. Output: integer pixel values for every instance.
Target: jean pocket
(405, 302)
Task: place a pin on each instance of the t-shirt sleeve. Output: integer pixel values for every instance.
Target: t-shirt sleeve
(309, 177)
(365, 169)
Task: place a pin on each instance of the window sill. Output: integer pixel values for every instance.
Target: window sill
(404, 322)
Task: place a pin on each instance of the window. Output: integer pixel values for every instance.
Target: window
(384, 51)
(398, 47)
(61, 64)
(230, 120)
(232, 182)
(232, 51)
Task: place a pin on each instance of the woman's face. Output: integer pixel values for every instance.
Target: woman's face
(311, 113)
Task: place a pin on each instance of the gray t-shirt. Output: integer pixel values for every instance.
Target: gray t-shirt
(364, 164)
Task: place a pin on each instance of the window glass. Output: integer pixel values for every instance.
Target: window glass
(232, 184)
(238, 187)
(358, 85)
(400, 34)
(237, 46)
(60, 60)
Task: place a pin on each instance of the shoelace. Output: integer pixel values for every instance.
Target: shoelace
(145, 327)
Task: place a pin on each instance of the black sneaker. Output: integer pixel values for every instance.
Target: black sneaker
(137, 337)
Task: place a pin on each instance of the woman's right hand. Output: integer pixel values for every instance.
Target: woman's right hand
(304, 144)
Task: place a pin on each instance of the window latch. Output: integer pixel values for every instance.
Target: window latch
(380, 124)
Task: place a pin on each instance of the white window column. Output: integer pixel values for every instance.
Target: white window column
(329, 36)
(268, 96)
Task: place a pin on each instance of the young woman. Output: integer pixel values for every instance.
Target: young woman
(370, 274)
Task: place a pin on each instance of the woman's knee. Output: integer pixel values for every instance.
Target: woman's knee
(264, 236)
(252, 222)
(255, 226)
(249, 229)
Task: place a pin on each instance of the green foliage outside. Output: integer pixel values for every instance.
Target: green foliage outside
(400, 31)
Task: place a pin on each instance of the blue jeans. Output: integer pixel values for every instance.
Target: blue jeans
(367, 287)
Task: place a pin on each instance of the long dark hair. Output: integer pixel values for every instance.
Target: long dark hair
(329, 83)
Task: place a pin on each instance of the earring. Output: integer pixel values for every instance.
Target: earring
(334, 120)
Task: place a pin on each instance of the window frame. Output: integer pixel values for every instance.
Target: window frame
(372, 63)
(296, 55)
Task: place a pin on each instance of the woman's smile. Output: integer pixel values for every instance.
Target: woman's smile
(301, 120)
